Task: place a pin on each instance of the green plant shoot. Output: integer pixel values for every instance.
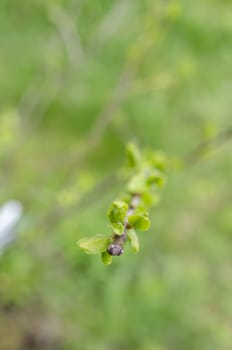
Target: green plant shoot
(129, 213)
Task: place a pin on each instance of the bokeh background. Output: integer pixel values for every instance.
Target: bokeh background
(78, 80)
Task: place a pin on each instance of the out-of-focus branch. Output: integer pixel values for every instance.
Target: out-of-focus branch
(110, 23)
(109, 112)
(101, 123)
(36, 99)
(106, 184)
(198, 152)
(29, 100)
(99, 190)
(68, 34)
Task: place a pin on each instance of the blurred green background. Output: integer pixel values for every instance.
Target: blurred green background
(78, 80)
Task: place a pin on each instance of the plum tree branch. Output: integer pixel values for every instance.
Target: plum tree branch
(116, 247)
(101, 187)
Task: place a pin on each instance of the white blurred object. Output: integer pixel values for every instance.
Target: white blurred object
(10, 214)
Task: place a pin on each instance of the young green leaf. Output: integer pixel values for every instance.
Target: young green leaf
(139, 221)
(129, 212)
(106, 258)
(134, 240)
(157, 159)
(150, 199)
(94, 245)
(137, 184)
(118, 228)
(133, 155)
(117, 211)
(157, 178)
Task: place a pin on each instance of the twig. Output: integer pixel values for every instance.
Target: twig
(116, 248)
(197, 153)
(110, 24)
(36, 100)
(97, 131)
(101, 187)
(29, 100)
(68, 34)
(87, 198)
(99, 127)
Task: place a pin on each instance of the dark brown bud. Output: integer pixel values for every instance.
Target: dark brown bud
(115, 249)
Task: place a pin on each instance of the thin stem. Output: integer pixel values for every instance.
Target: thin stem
(197, 153)
(116, 247)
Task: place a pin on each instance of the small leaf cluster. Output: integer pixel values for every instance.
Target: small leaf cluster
(129, 213)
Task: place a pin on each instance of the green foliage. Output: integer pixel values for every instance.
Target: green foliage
(94, 245)
(127, 217)
(117, 212)
(139, 221)
(117, 227)
(106, 258)
(134, 240)
(158, 159)
(156, 178)
(150, 198)
(79, 79)
(137, 184)
(133, 156)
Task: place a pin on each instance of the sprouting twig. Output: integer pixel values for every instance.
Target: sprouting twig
(116, 247)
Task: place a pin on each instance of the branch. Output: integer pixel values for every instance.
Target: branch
(110, 24)
(99, 127)
(39, 95)
(68, 34)
(60, 213)
(116, 248)
(198, 152)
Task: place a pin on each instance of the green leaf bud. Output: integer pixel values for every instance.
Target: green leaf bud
(117, 211)
(158, 160)
(139, 221)
(133, 155)
(137, 184)
(150, 199)
(157, 178)
(118, 228)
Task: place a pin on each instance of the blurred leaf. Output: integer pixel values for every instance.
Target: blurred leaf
(117, 211)
(106, 258)
(157, 159)
(150, 199)
(118, 228)
(157, 178)
(137, 184)
(139, 222)
(134, 240)
(210, 129)
(9, 130)
(133, 155)
(94, 245)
